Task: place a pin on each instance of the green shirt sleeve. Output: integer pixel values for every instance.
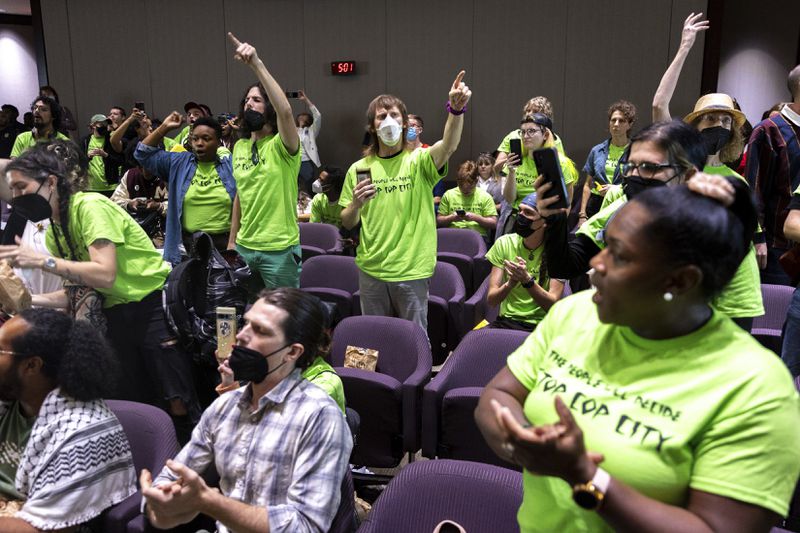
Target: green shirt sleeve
(444, 204)
(526, 360)
(316, 208)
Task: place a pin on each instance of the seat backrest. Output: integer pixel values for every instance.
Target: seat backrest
(477, 496)
(479, 356)
(447, 282)
(149, 431)
(776, 305)
(402, 345)
(325, 236)
(462, 241)
(332, 271)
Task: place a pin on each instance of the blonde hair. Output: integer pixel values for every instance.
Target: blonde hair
(538, 104)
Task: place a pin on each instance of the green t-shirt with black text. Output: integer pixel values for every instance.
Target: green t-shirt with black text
(322, 210)
(207, 205)
(267, 194)
(398, 225)
(479, 203)
(519, 304)
(25, 142)
(711, 411)
(140, 268)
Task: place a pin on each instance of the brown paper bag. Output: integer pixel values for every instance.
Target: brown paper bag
(363, 358)
(14, 296)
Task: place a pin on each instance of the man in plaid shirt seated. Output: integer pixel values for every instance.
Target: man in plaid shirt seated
(280, 443)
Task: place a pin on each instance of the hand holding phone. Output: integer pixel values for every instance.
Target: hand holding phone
(461, 213)
(139, 106)
(226, 332)
(515, 146)
(292, 94)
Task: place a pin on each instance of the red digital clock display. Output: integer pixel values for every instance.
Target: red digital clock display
(343, 68)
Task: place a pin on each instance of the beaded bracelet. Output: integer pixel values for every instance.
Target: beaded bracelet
(452, 111)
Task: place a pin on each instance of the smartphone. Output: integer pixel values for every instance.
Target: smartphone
(292, 94)
(139, 105)
(516, 148)
(365, 174)
(461, 212)
(226, 332)
(547, 165)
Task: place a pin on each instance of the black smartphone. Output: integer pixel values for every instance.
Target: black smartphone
(139, 105)
(362, 175)
(461, 212)
(292, 94)
(516, 148)
(547, 165)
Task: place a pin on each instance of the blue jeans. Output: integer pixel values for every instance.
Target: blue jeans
(790, 353)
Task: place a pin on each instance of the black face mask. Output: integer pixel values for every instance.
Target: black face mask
(24, 208)
(715, 138)
(636, 184)
(254, 120)
(102, 130)
(250, 365)
(523, 226)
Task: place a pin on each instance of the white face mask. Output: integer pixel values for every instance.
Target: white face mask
(389, 131)
(316, 187)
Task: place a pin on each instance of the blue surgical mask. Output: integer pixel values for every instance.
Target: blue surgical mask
(411, 134)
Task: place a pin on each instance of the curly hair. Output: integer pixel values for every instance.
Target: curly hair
(538, 104)
(269, 112)
(383, 101)
(55, 110)
(306, 322)
(467, 170)
(625, 107)
(75, 356)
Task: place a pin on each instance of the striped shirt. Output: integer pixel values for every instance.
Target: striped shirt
(289, 455)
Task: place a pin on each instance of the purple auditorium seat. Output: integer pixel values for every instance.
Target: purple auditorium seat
(479, 497)
(334, 279)
(465, 249)
(318, 239)
(476, 308)
(345, 519)
(450, 399)
(445, 310)
(768, 329)
(387, 400)
(152, 439)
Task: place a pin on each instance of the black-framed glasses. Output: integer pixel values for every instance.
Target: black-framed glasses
(529, 132)
(646, 170)
(254, 154)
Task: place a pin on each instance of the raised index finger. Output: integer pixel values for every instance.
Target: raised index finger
(234, 41)
(460, 77)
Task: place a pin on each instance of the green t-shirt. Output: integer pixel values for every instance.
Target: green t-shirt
(505, 145)
(207, 205)
(740, 298)
(527, 173)
(519, 304)
(267, 194)
(712, 411)
(182, 135)
(15, 429)
(398, 231)
(612, 194)
(479, 203)
(140, 268)
(25, 141)
(322, 210)
(612, 161)
(97, 170)
(321, 374)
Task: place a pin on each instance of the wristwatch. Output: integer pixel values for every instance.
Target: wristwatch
(50, 263)
(590, 495)
(528, 284)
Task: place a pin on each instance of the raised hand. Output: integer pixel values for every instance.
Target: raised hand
(246, 53)
(459, 93)
(691, 27)
(173, 121)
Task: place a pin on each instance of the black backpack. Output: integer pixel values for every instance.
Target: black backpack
(194, 290)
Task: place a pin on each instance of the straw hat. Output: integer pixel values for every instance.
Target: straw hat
(715, 102)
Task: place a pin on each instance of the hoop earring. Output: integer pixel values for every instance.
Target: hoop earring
(668, 296)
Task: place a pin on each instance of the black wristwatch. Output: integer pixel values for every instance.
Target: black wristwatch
(529, 284)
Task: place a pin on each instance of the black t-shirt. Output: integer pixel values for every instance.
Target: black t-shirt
(7, 137)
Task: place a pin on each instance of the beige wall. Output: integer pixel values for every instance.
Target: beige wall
(582, 54)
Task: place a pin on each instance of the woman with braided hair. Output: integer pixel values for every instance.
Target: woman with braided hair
(95, 243)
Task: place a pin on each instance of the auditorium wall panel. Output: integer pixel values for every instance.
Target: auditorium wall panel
(582, 54)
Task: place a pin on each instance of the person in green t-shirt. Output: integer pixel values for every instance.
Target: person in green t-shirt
(266, 161)
(664, 153)
(104, 163)
(537, 104)
(519, 281)
(389, 191)
(602, 164)
(47, 121)
(638, 405)
(95, 243)
(325, 206)
(466, 206)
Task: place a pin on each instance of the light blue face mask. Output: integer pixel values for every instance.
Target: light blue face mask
(411, 134)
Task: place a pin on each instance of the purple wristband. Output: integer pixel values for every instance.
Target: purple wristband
(452, 111)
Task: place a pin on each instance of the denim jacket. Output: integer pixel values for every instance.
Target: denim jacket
(179, 168)
(596, 162)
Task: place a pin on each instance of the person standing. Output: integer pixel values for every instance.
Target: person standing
(308, 127)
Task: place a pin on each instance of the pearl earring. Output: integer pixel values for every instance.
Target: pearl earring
(668, 296)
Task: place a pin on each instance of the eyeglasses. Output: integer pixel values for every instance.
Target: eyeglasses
(646, 170)
(40, 108)
(254, 154)
(528, 132)
(9, 352)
